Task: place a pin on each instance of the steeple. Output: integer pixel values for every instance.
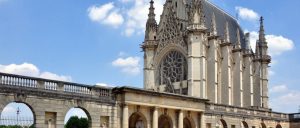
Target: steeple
(238, 37)
(197, 14)
(151, 25)
(213, 26)
(151, 14)
(226, 35)
(262, 38)
(247, 40)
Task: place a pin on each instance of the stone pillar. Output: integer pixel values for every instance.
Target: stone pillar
(237, 75)
(125, 116)
(226, 79)
(155, 118)
(40, 119)
(202, 120)
(180, 119)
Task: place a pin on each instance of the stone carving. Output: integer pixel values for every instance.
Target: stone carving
(19, 97)
(168, 31)
(172, 68)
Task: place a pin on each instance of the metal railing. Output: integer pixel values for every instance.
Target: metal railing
(19, 121)
(295, 117)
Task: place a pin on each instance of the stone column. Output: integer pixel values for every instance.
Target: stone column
(155, 118)
(125, 116)
(202, 120)
(180, 119)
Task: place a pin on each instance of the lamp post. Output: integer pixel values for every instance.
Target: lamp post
(18, 112)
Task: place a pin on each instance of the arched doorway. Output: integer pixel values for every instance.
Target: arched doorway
(263, 125)
(137, 120)
(244, 124)
(164, 121)
(188, 123)
(17, 113)
(78, 115)
(223, 124)
(278, 126)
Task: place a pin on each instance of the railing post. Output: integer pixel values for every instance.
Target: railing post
(60, 87)
(40, 84)
(1, 79)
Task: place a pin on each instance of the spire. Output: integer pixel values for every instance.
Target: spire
(257, 49)
(197, 13)
(226, 35)
(238, 38)
(213, 27)
(262, 31)
(151, 25)
(151, 14)
(202, 16)
(247, 40)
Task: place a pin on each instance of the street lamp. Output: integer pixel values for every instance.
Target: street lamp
(18, 112)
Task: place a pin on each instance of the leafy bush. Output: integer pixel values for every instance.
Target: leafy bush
(75, 122)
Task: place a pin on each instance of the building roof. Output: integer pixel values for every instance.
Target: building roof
(221, 18)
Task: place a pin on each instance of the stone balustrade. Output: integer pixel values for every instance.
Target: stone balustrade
(294, 117)
(53, 85)
(245, 112)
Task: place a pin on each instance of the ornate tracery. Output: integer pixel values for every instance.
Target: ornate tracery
(172, 68)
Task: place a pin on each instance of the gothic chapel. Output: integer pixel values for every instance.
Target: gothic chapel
(200, 72)
(199, 50)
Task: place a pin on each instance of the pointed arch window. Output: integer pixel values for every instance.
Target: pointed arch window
(172, 68)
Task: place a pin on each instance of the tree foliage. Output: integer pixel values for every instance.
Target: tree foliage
(75, 122)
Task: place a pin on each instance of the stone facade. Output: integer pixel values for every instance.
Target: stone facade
(220, 66)
(199, 72)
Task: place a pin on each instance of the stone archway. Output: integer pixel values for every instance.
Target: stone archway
(165, 121)
(137, 120)
(80, 112)
(244, 124)
(263, 125)
(18, 113)
(278, 126)
(188, 123)
(224, 124)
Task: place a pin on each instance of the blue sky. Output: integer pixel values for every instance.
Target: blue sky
(98, 41)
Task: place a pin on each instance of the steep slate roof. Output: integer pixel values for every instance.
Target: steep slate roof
(221, 18)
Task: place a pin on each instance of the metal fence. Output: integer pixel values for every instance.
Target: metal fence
(20, 121)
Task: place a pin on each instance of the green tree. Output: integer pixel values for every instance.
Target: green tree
(75, 122)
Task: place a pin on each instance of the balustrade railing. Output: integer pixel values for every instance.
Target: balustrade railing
(247, 111)
(53, 85)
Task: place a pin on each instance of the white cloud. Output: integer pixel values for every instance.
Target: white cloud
(285, 100)
(22, 69)
(99, 13)
(104, 84)
(114, 19)
(129, 65)
(49, 75)
(271, 72)
(286, 103)
(279, 89)
(277, 44)
(106, 14)
(129, 32)
(133, 15)
(28, 69)
(247, 14)
(9, 109)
